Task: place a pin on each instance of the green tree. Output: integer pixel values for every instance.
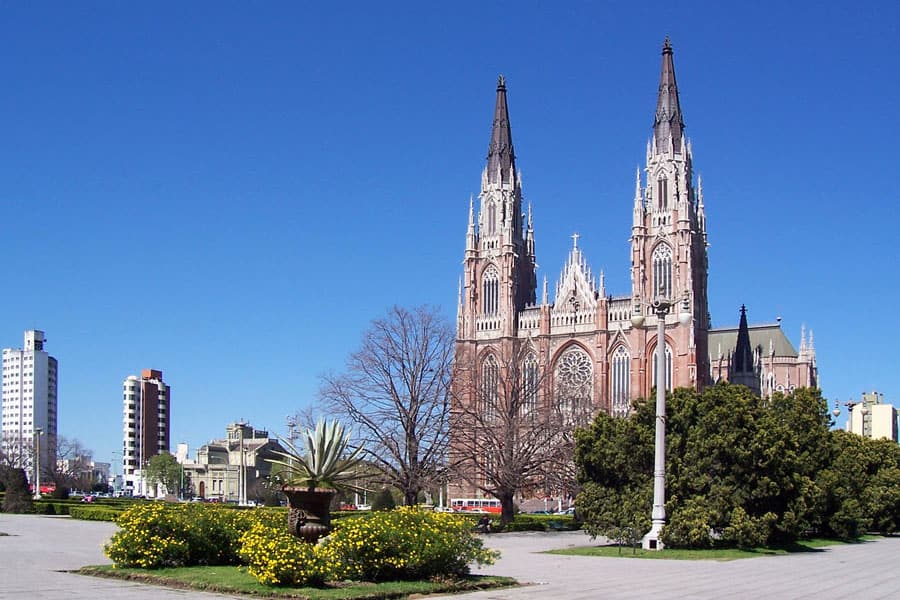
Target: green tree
(738, 466)
(861, 486)
(613, 456)
(163, 469)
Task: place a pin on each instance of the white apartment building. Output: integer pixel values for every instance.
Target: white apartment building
(146, 410)
(872, 417)
(29, 402)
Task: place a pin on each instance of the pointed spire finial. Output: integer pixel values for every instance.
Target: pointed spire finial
(668, 126)
(575, 237)
(742, 359)
(501, 158)
(637, 185)
(545, 297)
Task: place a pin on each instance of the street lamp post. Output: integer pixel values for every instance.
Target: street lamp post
(115, 476)
(661, 308)
(37, 462)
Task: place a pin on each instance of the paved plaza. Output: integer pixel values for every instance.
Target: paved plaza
(37, 552)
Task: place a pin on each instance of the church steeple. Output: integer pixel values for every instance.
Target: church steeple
(668, 123)
(742, 361)
(743, 369)
(501, 158)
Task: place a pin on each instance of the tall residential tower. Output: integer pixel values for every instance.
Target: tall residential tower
(29, 402)
(146, 426)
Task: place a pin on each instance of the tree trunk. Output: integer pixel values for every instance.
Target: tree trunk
(508, 509)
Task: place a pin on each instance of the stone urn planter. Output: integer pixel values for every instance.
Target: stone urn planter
(309, 517)
(310, 479)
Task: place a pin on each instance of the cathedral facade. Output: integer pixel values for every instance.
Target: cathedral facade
(583, 347)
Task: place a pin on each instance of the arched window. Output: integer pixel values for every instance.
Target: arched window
(491, 217)
(662, 271)
(490, 381)
(529, 384)
(668, 368)
(490, 286)
(620, 382)
(662, 198)
(574, 385)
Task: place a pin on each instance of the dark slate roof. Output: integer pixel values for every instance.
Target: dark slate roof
(500, 152)
(725, 339)
(668, 119)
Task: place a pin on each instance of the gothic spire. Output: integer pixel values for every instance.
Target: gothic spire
(668, 122)
(742, 360)
(501, 159)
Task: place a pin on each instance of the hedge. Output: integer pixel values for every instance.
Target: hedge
(94, 513)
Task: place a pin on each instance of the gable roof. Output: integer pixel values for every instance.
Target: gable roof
(722, 341)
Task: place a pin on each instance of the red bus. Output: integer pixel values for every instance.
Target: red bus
(489, 505)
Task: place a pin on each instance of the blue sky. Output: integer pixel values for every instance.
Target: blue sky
(230, 192)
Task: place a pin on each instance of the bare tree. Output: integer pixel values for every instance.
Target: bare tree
(16, 453)
(70, 465)
(395, 394)
(509, 435)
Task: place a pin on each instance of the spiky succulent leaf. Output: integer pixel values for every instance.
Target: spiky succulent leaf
(324, 463)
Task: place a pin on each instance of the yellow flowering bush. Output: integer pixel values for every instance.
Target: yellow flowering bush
(275, 557)
(156, 534)
(406, 543)
(149, 538)
(402, 544)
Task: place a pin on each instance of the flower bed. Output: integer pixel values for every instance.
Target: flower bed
(405, 544)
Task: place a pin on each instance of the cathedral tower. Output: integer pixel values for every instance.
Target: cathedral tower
(668, 241)
(499, 279)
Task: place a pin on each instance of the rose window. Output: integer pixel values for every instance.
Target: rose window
(574, 369)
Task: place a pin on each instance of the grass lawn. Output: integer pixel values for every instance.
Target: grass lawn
(721, 554)
(236, 580)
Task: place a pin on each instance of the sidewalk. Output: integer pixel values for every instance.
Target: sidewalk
(867, 570)
(38, 551)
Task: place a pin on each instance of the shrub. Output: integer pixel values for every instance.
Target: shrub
(275, 557)
(155, 534)
(151, 537)
(406, 544)
(16, 499)
(688, 526)
(523, 522)
(384, 500)
(745, 531)
(94, 513)
(60, 493)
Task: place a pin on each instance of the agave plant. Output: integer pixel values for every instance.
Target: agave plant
(328, 462)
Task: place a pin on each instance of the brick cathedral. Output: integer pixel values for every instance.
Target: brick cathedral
(591, 349)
